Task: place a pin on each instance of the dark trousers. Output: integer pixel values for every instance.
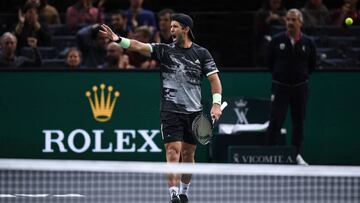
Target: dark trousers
(284, 96)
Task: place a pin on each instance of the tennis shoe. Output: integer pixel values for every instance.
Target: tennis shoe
(301, 161)
(183, 198)
(175, 199)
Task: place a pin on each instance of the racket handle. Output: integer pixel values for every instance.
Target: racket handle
(223, 105)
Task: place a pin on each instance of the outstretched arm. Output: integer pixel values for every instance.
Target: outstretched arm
(129, 44)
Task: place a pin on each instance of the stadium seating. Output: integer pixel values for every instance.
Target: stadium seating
(46, 52)
(62, 42)
(53, 63)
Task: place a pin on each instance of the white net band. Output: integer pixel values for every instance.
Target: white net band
(132, 182)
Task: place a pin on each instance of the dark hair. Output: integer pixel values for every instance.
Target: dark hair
(185, 21)
(164, 12)
(118, 12)
(29, 6)
(144, 30)
(72, 49)
(95, 31)
(43, 3)
(266, 5)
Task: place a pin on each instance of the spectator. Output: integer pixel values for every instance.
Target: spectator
(119, 23)
(272, 13)
(73, 58)
(83, 12)
(347, 10)
(33, 1)
(315, 14)
(142, 34)
(116, 59)
(30, 26)
(92, 46)
(291, 59)
(48, 12)
(137, 16)
(8, 58)
(164, 20)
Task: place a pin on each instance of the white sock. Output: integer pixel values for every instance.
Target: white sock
(184, 188)
(173, 190)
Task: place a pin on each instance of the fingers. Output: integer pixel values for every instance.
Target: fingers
(107, 30)
(213, 117)
(21, 17)
(103, 32)
(105, 27)
(102, 27)
(215, 112)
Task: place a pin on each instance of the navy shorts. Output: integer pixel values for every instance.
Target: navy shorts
(177, 127)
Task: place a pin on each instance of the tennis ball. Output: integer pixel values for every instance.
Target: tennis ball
(348, 21)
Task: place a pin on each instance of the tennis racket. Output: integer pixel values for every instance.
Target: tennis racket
(202, 127)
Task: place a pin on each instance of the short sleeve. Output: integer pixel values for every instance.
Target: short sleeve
(209, 66)
(158, 50)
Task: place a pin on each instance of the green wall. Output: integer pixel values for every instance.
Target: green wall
(33, 102)
(332, 133)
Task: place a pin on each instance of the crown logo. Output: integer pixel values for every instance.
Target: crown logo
(103, 109)
(241, 103)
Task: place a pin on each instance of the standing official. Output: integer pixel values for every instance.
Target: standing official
(291, 58)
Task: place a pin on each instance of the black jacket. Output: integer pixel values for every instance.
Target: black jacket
(22, 61)
(291, 64)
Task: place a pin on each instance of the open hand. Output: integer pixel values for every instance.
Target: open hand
(21, 17)
(106, 31)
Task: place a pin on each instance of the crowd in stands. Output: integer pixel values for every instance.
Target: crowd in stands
(40, 39)
(44, 37)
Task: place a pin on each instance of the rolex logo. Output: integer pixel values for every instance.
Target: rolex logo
(102, 109)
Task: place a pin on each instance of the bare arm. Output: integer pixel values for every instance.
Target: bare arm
(136, 46)
(215, 83)
(215, 88)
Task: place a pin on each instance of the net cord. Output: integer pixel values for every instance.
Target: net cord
(162, 167)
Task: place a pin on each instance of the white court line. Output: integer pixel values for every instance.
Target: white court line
(39, 195)
(31, 195)
(69, 195)
(6, 195)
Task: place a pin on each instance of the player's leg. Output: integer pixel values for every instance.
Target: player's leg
(188, 156)
(172, 134)
(279, 106)
(173, 156)
(297, 110)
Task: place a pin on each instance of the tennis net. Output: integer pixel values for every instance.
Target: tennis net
(70, 181)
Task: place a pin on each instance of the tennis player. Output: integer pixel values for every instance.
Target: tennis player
(183, 64)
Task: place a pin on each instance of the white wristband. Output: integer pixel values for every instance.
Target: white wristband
(216, 98)
(124, 42)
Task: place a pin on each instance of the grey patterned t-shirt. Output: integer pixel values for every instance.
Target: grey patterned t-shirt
(182, 70)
